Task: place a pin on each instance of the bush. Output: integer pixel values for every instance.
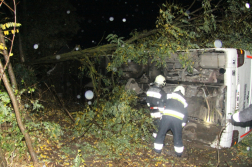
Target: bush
(116, 125)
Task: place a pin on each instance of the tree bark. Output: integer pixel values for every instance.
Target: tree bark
(21, 52)
(6, 57)
(14, 99)
(18, 116)
(102, 50)
(3, 162)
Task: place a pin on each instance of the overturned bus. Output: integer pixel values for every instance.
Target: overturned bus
(218, 86)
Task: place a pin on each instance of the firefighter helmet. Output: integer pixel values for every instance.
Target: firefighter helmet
(160, 80)
(181, 89)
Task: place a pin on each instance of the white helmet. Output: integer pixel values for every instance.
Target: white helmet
(181, 89)
(160, 80)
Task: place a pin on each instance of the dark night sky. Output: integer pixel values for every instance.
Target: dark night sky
(127, 15)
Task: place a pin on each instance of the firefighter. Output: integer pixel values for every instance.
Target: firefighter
(155, 100)
(174, 118)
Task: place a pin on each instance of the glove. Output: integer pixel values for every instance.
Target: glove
(156, 115)
(183, 124)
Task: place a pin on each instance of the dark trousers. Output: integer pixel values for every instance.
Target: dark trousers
(156, 122)
(175, 125)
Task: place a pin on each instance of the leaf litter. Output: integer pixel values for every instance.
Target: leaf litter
(66, 150)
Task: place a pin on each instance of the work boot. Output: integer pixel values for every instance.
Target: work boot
(179, 155)
(157, 151)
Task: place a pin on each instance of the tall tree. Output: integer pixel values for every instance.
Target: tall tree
(9, 87)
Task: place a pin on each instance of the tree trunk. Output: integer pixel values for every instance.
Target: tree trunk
(21, 52)
(6, 57)
(14, 99)
(3, 162)
(81, 54)
(18, 116)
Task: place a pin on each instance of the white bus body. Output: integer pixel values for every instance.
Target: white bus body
(234, 93)
(218, 86)
(238, 94)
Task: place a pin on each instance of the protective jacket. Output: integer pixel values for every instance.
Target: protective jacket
(155, 100)
(176, 106)
(174, 118)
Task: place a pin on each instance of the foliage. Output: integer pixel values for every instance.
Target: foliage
(182, 29)
(116, 124)
(11, 138)
(8, 28)
(53, 129)
(25, 76)
(78, 160)
(244, 147)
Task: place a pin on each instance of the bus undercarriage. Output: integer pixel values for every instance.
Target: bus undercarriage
(205, 92)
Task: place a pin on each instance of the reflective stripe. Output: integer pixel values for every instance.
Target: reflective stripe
(161, 109)
(156, 115)
(177, 97)
(174, 114)
(179, 149)
(158, 146)
(154, 94)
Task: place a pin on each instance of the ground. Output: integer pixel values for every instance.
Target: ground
(62, 152)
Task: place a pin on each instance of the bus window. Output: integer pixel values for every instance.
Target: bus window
(240, 57)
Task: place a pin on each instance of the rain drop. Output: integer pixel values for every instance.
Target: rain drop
(217, 43)
(89, 94)
(247, 5)
(68, 12)
(35, 46)
(129, 60)
(111, 19)
(124, 20)
(57, 57)
(89, 102)
(78, 96)
(114, 69)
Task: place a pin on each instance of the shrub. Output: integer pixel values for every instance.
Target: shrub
(116, 125)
